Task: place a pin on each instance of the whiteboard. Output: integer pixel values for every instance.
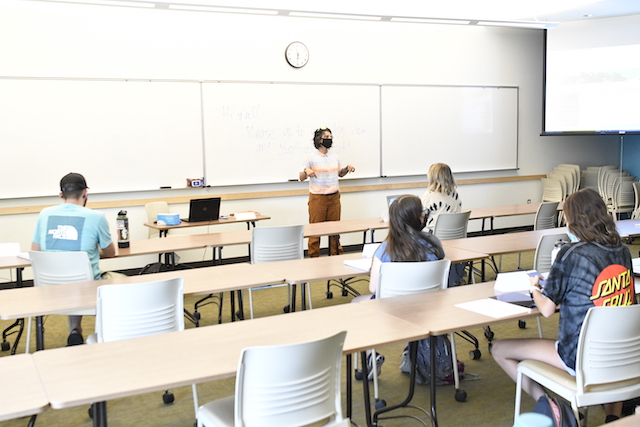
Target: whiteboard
(469, 128)
(121, 135)
(262, 132)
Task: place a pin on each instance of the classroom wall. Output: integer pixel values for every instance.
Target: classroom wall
(47, 40)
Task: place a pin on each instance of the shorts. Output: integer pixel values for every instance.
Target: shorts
(566, 368)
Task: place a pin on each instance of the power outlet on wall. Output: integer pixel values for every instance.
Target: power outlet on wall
(528, 201)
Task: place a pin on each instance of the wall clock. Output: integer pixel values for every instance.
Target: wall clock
(297, 54)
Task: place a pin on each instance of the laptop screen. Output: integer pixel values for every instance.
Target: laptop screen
(390, 200)
(204, 209)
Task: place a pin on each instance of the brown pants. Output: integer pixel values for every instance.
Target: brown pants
(324, 208)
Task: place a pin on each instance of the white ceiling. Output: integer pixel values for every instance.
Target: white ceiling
(530, 10)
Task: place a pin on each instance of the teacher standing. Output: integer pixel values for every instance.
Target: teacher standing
(323, 169)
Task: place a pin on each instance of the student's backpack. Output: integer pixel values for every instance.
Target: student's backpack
(444, 364)
(566, 417)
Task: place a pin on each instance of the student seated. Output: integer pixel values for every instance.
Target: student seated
(441, 196)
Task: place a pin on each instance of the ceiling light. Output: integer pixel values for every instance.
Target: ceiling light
(432, 21)
(223, 9)
(111, 3)
(518, 24)
(335, 16)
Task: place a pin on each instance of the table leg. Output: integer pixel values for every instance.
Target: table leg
(365, 387)
(39, 334)
(434, 342)
(349, 368)
(100, 414)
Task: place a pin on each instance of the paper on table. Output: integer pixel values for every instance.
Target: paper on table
(636, 266)
(512, 282)
(493, 308)
(363, 264)
(24, 255)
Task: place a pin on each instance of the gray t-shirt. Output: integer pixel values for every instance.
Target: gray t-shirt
(586, 275)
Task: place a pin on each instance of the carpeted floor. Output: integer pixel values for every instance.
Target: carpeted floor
(490, 400)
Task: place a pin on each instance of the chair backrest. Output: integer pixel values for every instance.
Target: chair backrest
(451, 225)
(602, 171)
(624, 193)
(552, 190)
(153, 209)
(561, 176)
(401, 278)
(542, 258)
(609, 346)
(270, 244)
(547, 216)
(53, 268)
(589, 179)
(289, 385)
(139, 309)
(576, 174)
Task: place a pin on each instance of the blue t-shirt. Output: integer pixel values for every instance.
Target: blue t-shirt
(70, 227)
(586, 275)
(383, 256)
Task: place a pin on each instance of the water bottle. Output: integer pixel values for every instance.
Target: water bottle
(122, 227)
(556, 249)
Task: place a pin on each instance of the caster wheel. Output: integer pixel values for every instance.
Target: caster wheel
(239, 315)
(168, 397)
(90, 411)
(475, 354)
(286, 309)
(380, 403)
(489, 335)
(358, 375)
(5, 345)
(329, 295)
(344, 293)
(461, 395)
(522, 324)
(196, 315)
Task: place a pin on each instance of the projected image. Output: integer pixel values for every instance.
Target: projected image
(593, 90)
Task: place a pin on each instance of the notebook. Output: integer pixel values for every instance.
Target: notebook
(203, 210)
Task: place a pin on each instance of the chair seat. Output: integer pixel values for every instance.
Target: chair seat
(546, 375)
(217, 413)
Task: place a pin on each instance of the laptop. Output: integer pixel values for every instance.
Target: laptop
(390, 200)
(203, 210)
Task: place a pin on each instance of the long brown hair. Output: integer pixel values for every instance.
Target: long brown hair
(588, 218)
(406, 241)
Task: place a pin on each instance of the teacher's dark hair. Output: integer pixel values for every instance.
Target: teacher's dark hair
(317, 136)
(406, 241)
(587, 217)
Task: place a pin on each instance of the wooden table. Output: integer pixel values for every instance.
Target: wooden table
(22, 393)
(71, 297)
(164, 229)
(493, 212)
(117, 369)
(436, 312)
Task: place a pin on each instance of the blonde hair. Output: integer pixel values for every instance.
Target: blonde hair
(441, 179)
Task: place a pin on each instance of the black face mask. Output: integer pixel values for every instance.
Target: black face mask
(327, 143)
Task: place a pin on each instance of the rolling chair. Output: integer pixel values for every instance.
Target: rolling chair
(403, 278)
(283, 385)
(269, 244)
(137, 310)
(607, 362)
(53, 268)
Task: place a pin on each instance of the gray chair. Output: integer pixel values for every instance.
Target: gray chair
(451, 226)
(269, 244)
(283, 385)
(546, 216)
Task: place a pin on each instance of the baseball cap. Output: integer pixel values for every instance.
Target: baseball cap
(72, 182)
